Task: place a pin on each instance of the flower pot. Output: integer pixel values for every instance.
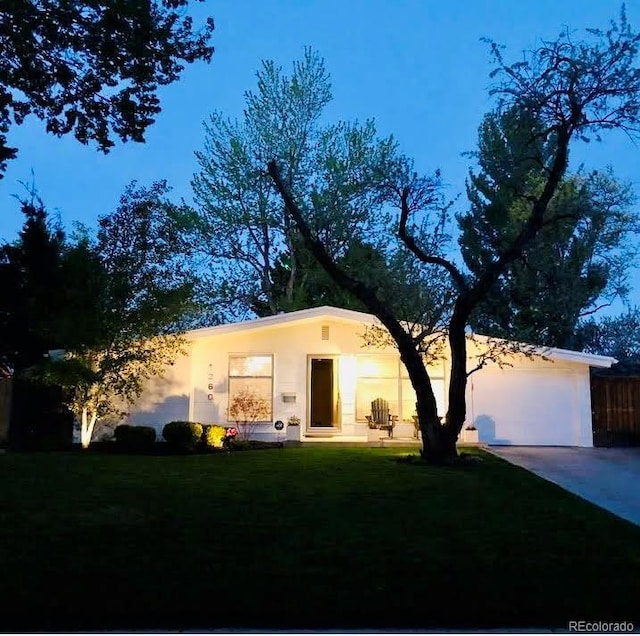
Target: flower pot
(293, 433)
(470, 436)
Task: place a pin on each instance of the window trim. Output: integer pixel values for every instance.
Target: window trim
(244, 377)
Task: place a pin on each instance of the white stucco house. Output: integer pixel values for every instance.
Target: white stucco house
(312, 364)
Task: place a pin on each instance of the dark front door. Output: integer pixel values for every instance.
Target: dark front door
(322, 392)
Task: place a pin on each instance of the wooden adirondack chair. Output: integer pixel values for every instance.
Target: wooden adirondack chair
(381, 417)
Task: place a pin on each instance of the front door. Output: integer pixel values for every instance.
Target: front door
(323, 393)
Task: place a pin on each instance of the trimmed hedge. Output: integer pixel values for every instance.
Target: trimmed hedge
(135, 438)
(184, 436)
(213, 436)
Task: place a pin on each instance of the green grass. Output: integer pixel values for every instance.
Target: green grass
(300, 538)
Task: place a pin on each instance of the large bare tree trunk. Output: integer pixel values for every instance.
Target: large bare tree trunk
(438, 442)
(457, 408)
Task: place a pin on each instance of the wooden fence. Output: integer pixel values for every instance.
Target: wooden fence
(5, 406)
(615, 406)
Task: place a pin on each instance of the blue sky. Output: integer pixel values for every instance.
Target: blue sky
(418, 67)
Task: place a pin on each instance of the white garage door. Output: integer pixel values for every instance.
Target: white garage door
(525, 407)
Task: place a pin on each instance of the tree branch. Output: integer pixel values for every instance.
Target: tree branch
(363, 292)
(419, 253)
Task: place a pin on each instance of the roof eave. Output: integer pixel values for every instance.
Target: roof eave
(302, 315)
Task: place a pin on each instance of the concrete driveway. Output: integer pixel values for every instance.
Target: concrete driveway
(607, 477)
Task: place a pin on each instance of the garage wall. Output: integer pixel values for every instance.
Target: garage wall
(540, 405)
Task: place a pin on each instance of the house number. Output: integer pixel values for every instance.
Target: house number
(210, 385)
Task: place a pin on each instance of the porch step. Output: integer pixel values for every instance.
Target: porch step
(319, 432)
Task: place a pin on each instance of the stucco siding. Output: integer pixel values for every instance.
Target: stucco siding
(291, 347)
(165, 397)
(539, 400)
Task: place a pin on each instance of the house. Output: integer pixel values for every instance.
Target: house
(313, 364)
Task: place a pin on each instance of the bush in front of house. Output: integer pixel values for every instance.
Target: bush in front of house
(213, 436)
(135, 438)
(183, 436)
(238, 445)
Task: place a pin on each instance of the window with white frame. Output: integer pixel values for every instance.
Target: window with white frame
(253, 373)
(377, 377)
(384, 376)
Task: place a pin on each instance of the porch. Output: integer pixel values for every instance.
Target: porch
(403, 433)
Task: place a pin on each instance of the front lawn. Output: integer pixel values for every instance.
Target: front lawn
(298, 538)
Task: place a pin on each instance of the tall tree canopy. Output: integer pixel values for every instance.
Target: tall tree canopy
(239, 221)
(92, 68)
(32, 306)
(256, 259)
(564, 90)
(617, 336)
(575, 265)
(32, 286)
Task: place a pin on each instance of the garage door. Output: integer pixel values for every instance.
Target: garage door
(525, 407)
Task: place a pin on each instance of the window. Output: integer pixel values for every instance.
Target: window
(252, 373)
(377, 378)
(409, 395)
(384, 376)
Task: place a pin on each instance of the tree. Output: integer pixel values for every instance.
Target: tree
(30, 270)
(616, 336)
(31, 305)
(573, 268)
(571, 90)
(132, 288)
(313, 286)
(92, 68)
(257, 262)
(239, 221)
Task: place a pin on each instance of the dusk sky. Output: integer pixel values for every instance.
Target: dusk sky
(418, 67)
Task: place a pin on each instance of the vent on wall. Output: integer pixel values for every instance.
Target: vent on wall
(324, 332)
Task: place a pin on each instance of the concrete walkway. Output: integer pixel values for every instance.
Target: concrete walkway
(607, 477)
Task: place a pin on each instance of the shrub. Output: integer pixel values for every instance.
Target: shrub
(252, 444)
(105, 429)
(183, 436)
(213, 436)
(135, 438)
(248, 409)
(239, 445)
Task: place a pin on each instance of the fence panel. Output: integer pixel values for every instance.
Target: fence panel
(5, 408)
(615, 406)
